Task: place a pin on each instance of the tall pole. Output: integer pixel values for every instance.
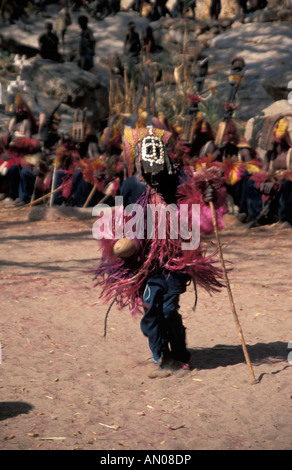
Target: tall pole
(240, 333)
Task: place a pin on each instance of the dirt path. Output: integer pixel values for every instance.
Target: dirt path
(64, 386)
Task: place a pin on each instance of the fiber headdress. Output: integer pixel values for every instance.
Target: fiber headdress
(142, 144)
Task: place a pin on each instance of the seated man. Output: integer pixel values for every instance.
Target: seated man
(16, 144)
(269, 193)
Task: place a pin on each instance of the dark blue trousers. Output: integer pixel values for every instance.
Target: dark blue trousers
(27, 182)
(58, 199)
(81, 191)
(285, 202)
(26, 185)
(238, 192)
(281, 205)
(161, 323)
(254, 203)
(13, 177)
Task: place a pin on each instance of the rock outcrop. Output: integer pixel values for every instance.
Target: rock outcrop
(76, 88)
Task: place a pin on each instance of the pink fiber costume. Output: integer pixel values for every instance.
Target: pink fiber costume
(152, 279)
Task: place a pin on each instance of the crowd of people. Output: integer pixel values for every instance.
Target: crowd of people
(49, 41)
(54, 34)
(134, 44)
(34, 162)
(260, 189)
(24, 181)
(159, 8)
(12, 10)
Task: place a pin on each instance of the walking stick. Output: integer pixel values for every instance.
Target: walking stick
(90, 196)
(92, 193)
(106, 317)
(34, 191)
(230, 295)
(36, 201)
(53, 185)
(103, 199)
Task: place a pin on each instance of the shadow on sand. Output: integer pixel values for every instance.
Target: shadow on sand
(10, 409)
(224, 355)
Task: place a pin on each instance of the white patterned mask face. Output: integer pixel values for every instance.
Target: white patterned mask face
(152, 154)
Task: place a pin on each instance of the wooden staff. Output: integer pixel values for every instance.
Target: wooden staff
(34, 191)
(31, 203)
(106, 317)
(111, 95)
(92, 193)
(90, 196)
(230, 295)
(126, 103)
(53, 185)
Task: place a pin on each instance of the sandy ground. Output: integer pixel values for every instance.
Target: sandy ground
(64, 386)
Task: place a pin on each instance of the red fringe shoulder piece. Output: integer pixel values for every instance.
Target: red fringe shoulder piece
(125, 279)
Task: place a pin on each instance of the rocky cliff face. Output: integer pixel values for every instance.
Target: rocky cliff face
(263, 39)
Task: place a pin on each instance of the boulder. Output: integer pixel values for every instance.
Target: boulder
(277, 86)
(236, 24)
(203, 39)
(77, 88)
(285, 14)
(279, 3)
(12, 44)
(265, 16)
(255, 42)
